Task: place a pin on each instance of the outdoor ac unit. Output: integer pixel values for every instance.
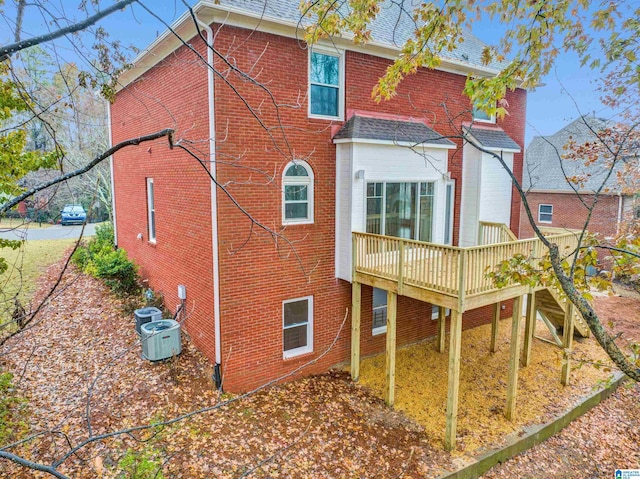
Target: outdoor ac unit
(146, 315)
(160, 339)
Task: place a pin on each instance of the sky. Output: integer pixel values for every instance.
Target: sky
(566, 92)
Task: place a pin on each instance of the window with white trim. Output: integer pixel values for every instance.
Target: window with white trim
(151, 211)
(448, 212)
(379, 312)
(297, 193)
(545, 213)
(404, 210)
(482, 116)
(326, 84)
(297, 324)
(435, 310)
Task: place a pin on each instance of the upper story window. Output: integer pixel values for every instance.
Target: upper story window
(326, 85)
(297, 193)
(545, 213)
(482, 116)
(151, 211)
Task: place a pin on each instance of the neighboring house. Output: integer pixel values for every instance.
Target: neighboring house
(557, 202)
(328, 162)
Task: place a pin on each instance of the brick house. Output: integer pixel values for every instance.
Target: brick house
(306, 159)
(552, 198)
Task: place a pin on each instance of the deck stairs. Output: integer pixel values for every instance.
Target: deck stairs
(552, 307)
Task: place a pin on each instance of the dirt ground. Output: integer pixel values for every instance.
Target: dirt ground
(81, 371)
(607, 437)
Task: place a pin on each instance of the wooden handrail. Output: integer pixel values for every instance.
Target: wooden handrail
(450, 270)
(490, 233)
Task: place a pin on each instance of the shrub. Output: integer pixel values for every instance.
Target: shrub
(99, 258)
(145, 464)
(12, 410)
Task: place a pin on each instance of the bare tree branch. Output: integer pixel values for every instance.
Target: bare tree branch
(168, 132)
(8, 50)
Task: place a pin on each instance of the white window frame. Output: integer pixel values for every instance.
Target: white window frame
(292, 353)
(435, 309)
(450, 205)
(380, 329)
(540, 213)
(151, 211)
(307, 181)
(341, 81)
(383, 219)
(491, 119)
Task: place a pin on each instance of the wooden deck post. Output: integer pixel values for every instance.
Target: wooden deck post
(442, 326)
(455, 333)
(567, 343)
(514, 361)
(392, 304)
(529, 328)
(494, 327)
(356, 296)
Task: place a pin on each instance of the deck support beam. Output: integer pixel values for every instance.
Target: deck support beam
(529, 328)
(567, 343)
(455, 333)
(356, 299)
(514, 361)
(442, 325)
(392, 303)
(495, 321)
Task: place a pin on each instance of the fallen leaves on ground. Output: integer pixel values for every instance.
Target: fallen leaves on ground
(81, 361)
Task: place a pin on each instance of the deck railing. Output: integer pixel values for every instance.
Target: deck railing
(440, 268)
(491, 233)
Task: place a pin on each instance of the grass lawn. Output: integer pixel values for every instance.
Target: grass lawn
(25, 266)
(21, 223)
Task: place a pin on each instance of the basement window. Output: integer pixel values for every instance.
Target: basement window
(379, 312)
(297, 321)
(545, 213)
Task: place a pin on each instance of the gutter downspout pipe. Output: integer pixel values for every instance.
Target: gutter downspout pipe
(217, 376)
(619, 222)
(113, 185)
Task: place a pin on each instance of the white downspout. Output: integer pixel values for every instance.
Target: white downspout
(113, 184)
(619, 214)
(214, 203)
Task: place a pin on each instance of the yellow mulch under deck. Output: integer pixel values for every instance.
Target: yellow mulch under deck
(421, 385)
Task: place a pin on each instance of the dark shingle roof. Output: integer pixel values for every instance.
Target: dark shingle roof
(364, 128)
(494, 138)
(544, 168)
(393, 26)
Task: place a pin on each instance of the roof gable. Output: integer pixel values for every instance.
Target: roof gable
(545, 169)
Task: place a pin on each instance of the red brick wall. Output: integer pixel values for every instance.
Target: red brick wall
(569, 212)
(261, 262)
(183, 251)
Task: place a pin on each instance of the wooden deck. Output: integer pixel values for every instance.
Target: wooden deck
(447, 276)
(455, 278)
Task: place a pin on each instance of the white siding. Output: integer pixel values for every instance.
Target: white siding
(469, 207)
(380, 163)
(486, 192)
(344, 180)
(495, 189)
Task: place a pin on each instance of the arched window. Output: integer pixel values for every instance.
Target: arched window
(297, 193)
